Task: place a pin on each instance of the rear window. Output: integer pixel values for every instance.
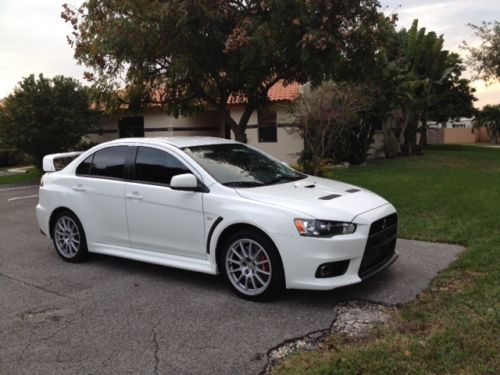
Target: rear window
(107, 163)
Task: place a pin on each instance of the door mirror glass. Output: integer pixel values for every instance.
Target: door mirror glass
(186, 181)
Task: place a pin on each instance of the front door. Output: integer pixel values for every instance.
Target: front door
(162, 219)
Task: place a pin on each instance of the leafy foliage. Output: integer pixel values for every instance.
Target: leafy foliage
(489, 117)
(44, 116)
(485, 59)
(327, 117)
(420, 80)
(453, 97)
(184, 55)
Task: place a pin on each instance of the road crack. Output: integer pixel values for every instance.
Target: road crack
(156, 348)
(352, 319)
(27, 283)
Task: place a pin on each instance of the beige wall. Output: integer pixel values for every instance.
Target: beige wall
(288, 146)
(482, 135)
(207, 124)
(458, 136)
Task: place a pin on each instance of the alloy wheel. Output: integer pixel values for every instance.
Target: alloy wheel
(248, 267)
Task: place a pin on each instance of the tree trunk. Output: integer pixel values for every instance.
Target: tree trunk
(410, 133)
(423, 135)
(238, 128)
(391, 142)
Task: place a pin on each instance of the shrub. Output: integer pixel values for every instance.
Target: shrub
(10, 157)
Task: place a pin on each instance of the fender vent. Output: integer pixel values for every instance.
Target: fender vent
(310, 186)
(331, 196)
(352, 190)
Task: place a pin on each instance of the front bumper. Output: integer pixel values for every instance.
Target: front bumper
(303, 255)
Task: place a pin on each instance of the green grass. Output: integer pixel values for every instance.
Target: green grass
(32, 175)
(451, 194)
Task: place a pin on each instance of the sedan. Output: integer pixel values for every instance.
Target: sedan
(215, 206)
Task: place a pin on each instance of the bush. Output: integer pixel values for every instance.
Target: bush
(11, 156)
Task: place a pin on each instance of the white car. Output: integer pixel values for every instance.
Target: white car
(215, 206)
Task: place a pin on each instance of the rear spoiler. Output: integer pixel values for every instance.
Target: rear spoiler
(56, 162)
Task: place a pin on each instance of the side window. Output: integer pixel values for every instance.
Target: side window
(156, 166)
(109, 162)
(267, 120)
(84, 167)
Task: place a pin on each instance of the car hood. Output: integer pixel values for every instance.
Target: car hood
(317, 197)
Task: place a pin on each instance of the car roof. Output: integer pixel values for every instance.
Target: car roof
(179, 142)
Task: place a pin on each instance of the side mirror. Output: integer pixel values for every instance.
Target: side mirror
(186, 181)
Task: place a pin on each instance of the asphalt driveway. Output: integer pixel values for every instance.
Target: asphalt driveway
(109, 315)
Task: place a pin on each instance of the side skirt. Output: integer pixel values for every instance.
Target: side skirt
(176, 261)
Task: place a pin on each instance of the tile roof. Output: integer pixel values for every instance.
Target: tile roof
(277, 93)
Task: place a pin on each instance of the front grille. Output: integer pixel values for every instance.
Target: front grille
(380, 245)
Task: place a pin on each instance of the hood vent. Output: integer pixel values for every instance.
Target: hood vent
(310, 186)
(331, 196)
(352, 190)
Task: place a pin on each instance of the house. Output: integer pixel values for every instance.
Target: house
(268, 130)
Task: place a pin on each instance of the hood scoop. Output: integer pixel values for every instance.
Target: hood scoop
(331, 196)
(352, 190)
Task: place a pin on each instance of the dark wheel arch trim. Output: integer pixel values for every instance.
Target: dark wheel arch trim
(211, 232)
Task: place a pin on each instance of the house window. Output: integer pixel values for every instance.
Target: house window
(131, 127)
(266, 121)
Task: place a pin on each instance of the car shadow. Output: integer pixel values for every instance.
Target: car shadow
(215, 284)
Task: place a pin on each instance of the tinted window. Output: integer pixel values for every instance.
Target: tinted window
(267, 120)
(84, 167)
(156, 166)
(109, 162)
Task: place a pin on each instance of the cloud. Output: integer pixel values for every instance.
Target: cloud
(33, 41)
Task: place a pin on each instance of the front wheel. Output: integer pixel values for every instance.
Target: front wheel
(252, 266)
(69, 237)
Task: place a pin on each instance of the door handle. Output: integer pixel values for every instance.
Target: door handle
(134, 195)
(79, 187)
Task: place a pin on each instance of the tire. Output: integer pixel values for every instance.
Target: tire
(252, 266)
(69, 237)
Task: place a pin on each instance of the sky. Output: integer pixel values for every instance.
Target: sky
(33, 36)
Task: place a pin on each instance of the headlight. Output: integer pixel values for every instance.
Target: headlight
(323, 228)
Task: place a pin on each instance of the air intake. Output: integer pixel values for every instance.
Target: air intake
(331, 196)
(352, 190)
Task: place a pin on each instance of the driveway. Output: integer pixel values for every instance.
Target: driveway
(113, 316)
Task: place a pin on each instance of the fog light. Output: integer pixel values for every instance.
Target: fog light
(332, 269)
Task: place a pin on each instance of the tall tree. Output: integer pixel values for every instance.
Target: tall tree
(423, 65)
(185, 55)
(485, 59)
(452, 98)
(44, 116)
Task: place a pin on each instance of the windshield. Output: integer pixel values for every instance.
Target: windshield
(240, 166)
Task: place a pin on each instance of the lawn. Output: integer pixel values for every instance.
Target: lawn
(32, 175)
(451, 194)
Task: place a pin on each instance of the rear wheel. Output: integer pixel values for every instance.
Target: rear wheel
(69, 237)
(252, 266)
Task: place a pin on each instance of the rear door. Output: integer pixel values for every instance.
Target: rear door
(161, 219)
(99, 196)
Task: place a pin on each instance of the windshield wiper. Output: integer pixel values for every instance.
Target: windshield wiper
(242, 184)
(280, 178)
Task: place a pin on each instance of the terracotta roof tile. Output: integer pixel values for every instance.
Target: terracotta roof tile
(278, 93)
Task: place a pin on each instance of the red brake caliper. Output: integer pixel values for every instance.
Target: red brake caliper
(265, 266)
